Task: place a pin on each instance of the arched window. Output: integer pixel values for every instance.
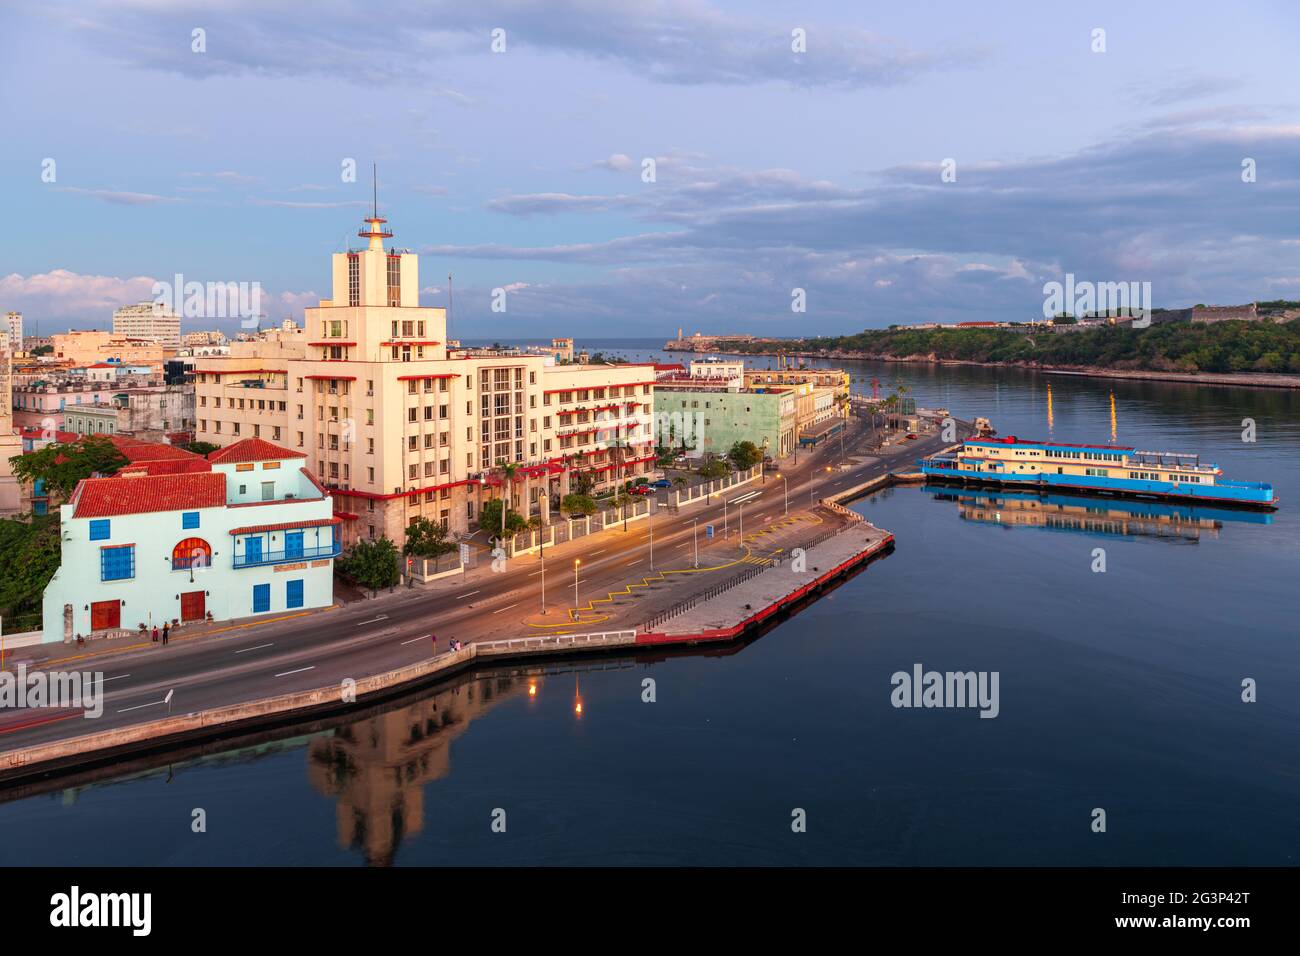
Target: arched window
(191, 553)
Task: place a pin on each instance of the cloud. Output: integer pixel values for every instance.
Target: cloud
(60, 294)
(665, 41)
(119, 198)
(727, 245)
(292, 204)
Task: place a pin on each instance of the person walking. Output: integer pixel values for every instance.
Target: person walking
(155, 633)
(166, 627)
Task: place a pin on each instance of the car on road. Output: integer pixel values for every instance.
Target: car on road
(910, 437)
(661, 483)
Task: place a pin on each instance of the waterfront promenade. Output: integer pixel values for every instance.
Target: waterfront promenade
(240, 663)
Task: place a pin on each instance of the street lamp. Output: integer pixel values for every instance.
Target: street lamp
(785, 492)
(695, 539)
(543, 556)
(576, 562)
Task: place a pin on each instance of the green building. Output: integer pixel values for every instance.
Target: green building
(711, 418)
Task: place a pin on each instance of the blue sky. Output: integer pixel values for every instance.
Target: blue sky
(522, 169)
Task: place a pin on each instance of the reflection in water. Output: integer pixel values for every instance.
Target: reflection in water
(1114, 420)
(1051, 419)
(1092, 515)
(376, 768)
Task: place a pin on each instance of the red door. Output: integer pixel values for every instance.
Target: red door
(105, 615)
(192, 606)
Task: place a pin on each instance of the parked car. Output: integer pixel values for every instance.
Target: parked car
(661, 483)
(643, 490)
(910, 437)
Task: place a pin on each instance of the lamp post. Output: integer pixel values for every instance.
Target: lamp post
(576, 562)
(741, 540)
(695, 540)
(543, 555)
(785, 492)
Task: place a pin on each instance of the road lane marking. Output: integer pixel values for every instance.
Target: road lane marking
(245, 650)
(470, 594)
(499, 610)
(630, 563)
(155, 703)
(298, 671)
(601, 551)
(412, 640)
(118, 677)
(382, 617)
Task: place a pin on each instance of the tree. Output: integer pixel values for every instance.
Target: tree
(489, 519)
(717, 468)
(578, 504)
(745, 455)
(583, 482)
(427, 539)
(203, 448)
(30, 554)
(61, 466)
(372, 564)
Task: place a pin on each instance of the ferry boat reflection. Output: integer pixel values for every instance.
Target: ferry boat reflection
(1087, 515)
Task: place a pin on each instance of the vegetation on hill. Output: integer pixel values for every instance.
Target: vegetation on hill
(1172, 347)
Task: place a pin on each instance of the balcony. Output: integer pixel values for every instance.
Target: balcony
(261, 558)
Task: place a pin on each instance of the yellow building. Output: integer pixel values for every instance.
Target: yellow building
(399, 427)
(90, 346)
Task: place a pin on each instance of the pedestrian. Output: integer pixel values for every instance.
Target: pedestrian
(155, 633)
(165, 633)
(434, 637)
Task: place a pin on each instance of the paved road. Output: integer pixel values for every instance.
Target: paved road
(322, 648)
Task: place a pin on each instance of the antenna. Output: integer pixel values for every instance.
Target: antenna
(449, 304)
(374, 181)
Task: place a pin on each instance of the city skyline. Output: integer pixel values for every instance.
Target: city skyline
(522, 170)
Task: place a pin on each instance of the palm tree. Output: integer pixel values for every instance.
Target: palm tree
(507, 470)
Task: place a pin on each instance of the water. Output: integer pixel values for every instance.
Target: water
(1118, 690)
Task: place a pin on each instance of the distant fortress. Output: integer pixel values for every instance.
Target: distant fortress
(708, 343)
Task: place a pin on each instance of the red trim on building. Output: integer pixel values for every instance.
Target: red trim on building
(397, 342)
(331, 378)
(349, 344)
(408, 378)
(286, 525)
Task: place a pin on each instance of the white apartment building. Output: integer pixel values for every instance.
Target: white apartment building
(398, 426)
(14, 330)
(148, 320)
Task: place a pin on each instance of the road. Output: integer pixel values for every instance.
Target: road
(269, 657)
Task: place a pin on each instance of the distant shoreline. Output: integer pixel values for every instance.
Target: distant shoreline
(1228, 379)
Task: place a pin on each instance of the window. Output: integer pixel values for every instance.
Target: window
(100, 530)
(118, 563)
(247, 466)
(261, 598)
(293, 593)
(268, 491)
(190, 519)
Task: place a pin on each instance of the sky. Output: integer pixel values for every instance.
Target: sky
(1165, 150)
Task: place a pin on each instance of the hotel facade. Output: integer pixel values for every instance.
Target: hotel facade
(399, 426)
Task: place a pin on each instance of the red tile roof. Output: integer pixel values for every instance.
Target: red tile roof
(168, 466)
(286, 525)
(138, 451)
(107, 497)
(252, 449)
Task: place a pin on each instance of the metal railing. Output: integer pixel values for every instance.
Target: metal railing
(556, 642)
(293, 554)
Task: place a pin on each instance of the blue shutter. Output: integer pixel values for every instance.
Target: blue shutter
(190, 519)
(117, 564)
(293, 544)
(252, 550)
(261, 598)
(293, 593)
(100, 530)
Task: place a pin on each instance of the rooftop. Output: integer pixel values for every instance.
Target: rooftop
(251, 449)
(143, 494)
